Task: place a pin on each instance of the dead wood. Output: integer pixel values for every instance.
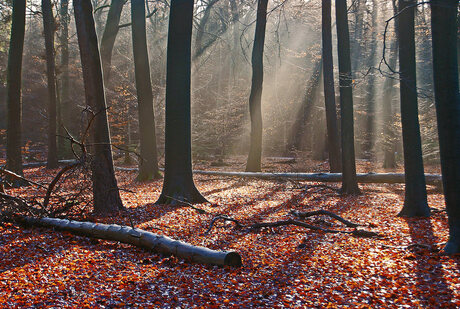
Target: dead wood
(323, 212)
(199, 210)
(355, 232)
(12, 175)
(140, 238)
(390, 178)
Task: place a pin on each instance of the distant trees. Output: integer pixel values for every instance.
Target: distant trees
(349, 182)
(105, 190)
(255, 98)
(148, 167)
(14, 140)
(333, 138)
(415, 201)
(444, 31)
(178, 182)
(48, 29)
(109, 35)
(389, 147)
(64, 114)
(370, 100)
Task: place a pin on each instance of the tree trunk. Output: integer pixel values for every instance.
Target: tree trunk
(255, 109)
(415, 201)
(63, 144)
(200, 48)
(48, 29)
(443, 26)
(370, 89)
(105, 190)
(333, 138)
(178, 181)
(109, 35)
(349, 184)
(140, 238)
(148, 167)
(359, 7)
(14, 139)
(390, 139)
(236, 39)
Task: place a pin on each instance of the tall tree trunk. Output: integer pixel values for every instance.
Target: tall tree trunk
(105, 190)
(178, 181)
(109, 35)
(236, 37)
(333, 139)
(415, 202)
(445, 69)
(200, 48)
(63, 144)
(14, 139)
(358, 6)
(48, 27)
(389, 144)
(390, 140)
(370, 89)
(148, 167)
(255, 109)
(349, 183)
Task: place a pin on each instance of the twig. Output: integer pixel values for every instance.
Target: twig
(19, 177)
(222, 217)
(323, 212)
(53, 183)
(199, 210)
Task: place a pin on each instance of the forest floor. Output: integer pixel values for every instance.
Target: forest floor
(282, 267)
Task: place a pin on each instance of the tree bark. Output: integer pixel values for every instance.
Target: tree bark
(109, 35)
(105, 190)
(148, 167)
(444, 32)
(178, 180)
(48, 27)
(255, 109)
(333, 138)
(415, 201)
(390, 140)
(389, 144)
(200, 48)
(65, 104)
(236, 38)
(349, 184)
(140, 238)
(14, 70)
(370, 89)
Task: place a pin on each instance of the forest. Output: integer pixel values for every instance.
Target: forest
(229, 154)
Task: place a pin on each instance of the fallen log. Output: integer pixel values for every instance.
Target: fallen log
(140, 238)
(40, 164)
(390, 178)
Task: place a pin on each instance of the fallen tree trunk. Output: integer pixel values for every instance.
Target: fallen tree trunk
(390, 178)
(140, 238)
(40, 164)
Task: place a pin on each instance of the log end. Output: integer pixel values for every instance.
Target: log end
(233, 259)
